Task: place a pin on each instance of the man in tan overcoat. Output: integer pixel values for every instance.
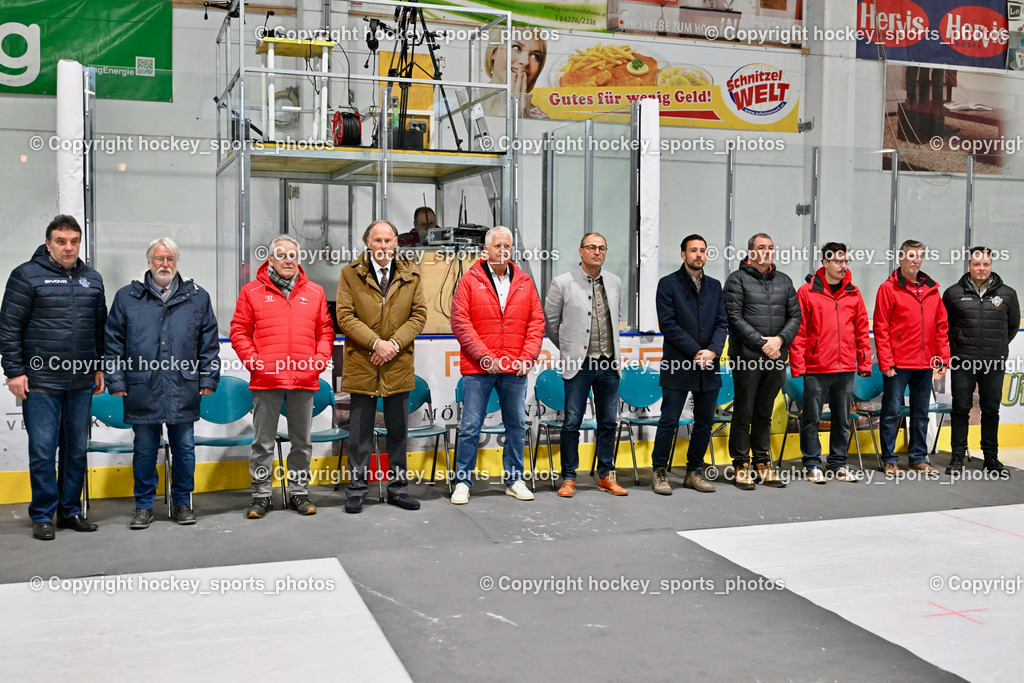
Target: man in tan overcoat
(381, 308)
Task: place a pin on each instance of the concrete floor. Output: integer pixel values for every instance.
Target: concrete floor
(425, 576)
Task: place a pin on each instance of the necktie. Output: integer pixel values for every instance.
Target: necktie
(384, 280)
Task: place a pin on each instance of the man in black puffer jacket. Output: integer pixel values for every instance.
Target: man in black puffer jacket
(983, 317)
(764, 317)
(51, 344)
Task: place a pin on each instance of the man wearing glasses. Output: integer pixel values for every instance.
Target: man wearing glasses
(283, 334)
(764, 317)
(581, 313)
(830, 347)
(161, 362)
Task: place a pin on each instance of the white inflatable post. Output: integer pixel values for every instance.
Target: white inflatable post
(71, 137)
(650, 211)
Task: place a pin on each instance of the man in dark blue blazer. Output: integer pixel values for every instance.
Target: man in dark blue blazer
(691, 313)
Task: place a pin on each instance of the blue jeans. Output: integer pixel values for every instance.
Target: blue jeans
(602, 377)
(183, 462)
(672, 402)
(476, 389)
(920, 382)
(57, 424)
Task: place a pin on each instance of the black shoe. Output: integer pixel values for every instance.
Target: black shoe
(141, 518)
(301, 504)
(354, 505)
(259, 507)
(183, 514)
(956, 464)
(43, 531)
(76, 523)
(404, 501)
(992, 464)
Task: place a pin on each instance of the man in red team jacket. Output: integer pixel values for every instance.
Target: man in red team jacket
(912, 341)
(499, 322)
(830, 347)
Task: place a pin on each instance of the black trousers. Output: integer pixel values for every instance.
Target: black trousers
(751, 428)
(360, 441)
(990, 388)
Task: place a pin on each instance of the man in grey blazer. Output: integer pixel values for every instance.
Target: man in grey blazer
(582, 319)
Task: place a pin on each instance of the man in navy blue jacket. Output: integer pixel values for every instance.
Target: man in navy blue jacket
(162, 355)
(691, 313)
(51, 344)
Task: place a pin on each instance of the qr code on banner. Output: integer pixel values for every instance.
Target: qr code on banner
(145, 66)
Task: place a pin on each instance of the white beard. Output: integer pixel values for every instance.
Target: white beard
(162, 280)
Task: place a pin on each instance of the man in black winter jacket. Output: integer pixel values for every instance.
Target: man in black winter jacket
(983, 317)
(51, 346)
(764, 317)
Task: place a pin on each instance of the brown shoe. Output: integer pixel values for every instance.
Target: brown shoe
(609, 484)
(567, 489)
(695, 480)
(660, 483)
(893, 470)
(925, 468)
(768, 476)
(744, 477)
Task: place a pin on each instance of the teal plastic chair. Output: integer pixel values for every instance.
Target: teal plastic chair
(723, 409)
(549, 392)
(793, 391)
(493, 406)
(417, 397)
(322, 400)
(110, 411)
(866, 391)
(231, 402)
(639, 389)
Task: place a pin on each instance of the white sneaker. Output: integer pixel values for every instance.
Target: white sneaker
(815, 476)
(843, 474)
(519, 490)
(461, 494)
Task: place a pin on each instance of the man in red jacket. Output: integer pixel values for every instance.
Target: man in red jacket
(283, 334)
(830, 347)
(912, 341)
(499, 322)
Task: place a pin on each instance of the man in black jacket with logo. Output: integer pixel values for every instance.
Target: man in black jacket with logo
(764, 317)
(983, 317)
(51, 344)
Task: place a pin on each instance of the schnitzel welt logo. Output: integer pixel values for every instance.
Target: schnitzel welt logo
(758, 89)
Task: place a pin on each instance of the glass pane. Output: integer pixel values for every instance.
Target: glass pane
(567, 213)
(932, 210)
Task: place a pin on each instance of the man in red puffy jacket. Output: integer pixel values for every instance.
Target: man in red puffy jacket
(912, 341)
(830, 347)
(499, 322)
(283, 334)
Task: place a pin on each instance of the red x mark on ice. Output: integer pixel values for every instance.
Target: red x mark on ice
(959, 614)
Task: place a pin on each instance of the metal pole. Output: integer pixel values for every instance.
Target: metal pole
(894, 208)
(383, 134)
(815, 204)
(588, 176)
(633, 294)
(969, 213)
(89, 170)
(547, 211)
(730, 210)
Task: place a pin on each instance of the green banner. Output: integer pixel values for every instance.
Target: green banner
(128, 42)
(582, 15)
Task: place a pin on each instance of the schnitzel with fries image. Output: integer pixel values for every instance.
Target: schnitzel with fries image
(609, 65)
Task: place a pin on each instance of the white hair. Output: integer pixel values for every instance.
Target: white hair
(497, 229)
(168, 244)
(282, 238)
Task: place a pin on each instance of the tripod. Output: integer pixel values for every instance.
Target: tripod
(406, 65)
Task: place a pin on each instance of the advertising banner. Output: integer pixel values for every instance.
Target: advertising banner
(694, 85)
(953, 32)
(128, 42)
